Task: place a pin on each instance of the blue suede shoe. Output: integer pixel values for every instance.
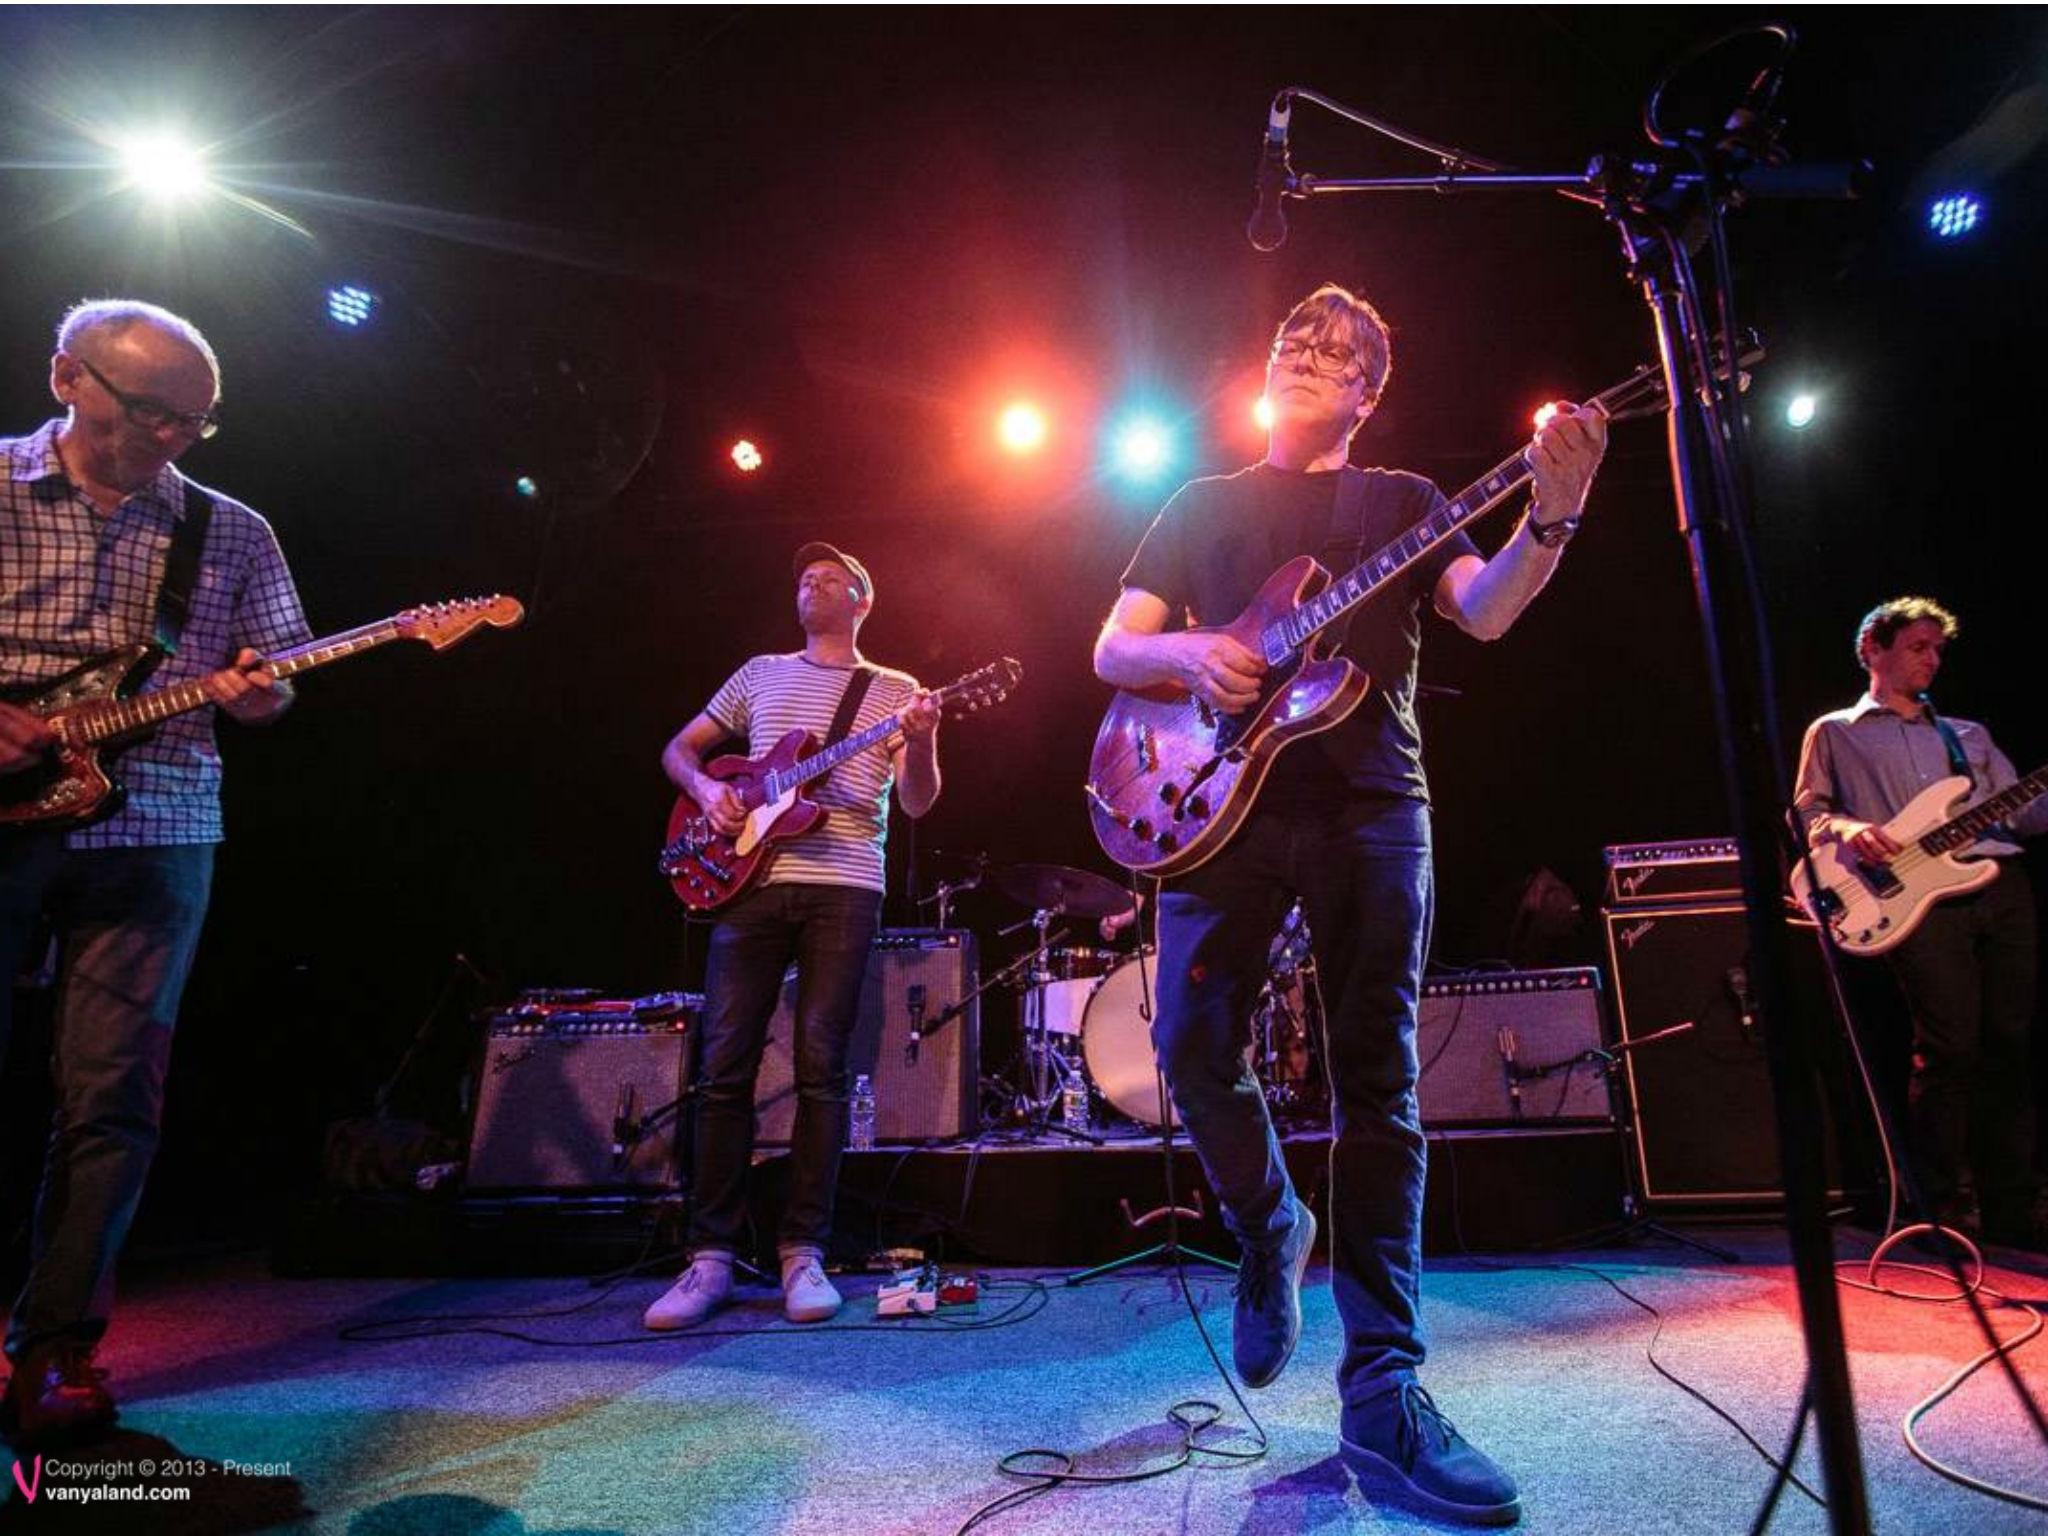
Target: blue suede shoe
(1402, 1441)
(1266, 1324)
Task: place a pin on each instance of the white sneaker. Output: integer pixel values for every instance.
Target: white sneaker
(807, 1296)
(700, 1291)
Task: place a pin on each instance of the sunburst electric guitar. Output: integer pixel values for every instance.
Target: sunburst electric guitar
(1171, 779)
(96, 712)
(1872, 906)
(709, 870)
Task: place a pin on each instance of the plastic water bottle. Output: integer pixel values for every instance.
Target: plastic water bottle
(1074, 1104)
(862, 1138)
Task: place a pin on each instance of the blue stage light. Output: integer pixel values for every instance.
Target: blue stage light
(350, 306)
(1954, 214)
(1143, 448)
(527, 486)
(1799, 411)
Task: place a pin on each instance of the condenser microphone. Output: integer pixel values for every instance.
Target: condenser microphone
(1267, 230)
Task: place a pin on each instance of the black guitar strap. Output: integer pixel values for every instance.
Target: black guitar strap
(849, 705)
(1347, 522)
(181, 569)
(1957, 762)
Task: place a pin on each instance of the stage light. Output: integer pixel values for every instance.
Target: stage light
(527, 486)
(162, 166)
(1799, 411)
(746, 456)
(1143, 448)
(1543, 414)
(1262, 413)
(1954, 215)
(350, 306)
(1021, 428)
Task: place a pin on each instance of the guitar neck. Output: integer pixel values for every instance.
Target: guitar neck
(1295, 628)
(101, 721)
(1961, 831)
(824, 762)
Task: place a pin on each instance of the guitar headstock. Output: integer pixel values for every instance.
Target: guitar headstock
(442, 624)
(982, 687)
(1642, 393)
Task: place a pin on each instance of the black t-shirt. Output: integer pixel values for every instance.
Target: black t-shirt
(1217, 541)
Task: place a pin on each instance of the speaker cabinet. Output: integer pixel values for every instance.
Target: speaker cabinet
(935, 1098)
(1512, 1048)
(550, 1094)
(1705, 1129)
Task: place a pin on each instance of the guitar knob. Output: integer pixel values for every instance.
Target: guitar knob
(1141, 829)
(1166, 842)
(1197, 807)
(1169, 792)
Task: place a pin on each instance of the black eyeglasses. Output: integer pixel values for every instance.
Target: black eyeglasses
(154, 415)
(1323, 356)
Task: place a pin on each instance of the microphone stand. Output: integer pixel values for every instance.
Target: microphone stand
(1656, 205)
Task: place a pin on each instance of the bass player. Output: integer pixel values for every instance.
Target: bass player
(1343, 822)
(817, 904)
(1968, 969)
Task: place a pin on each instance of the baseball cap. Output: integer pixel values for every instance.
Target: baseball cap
(818, 550)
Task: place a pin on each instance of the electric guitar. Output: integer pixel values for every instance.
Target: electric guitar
(96, 712)
(709, 870)
(1874, 906)
(1171, 778)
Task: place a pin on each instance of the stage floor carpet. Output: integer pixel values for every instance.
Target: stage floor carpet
(524, 1407)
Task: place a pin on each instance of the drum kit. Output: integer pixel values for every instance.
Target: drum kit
(1086, 1011)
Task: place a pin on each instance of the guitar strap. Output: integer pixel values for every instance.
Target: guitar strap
(1957, 762)
(181, 568)
(849, 705)
(1347, 522)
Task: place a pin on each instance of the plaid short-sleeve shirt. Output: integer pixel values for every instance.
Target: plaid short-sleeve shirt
(75, 582)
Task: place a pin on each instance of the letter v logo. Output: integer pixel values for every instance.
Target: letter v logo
(29, 1486)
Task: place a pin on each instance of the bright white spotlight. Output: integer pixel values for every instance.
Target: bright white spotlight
(163, 166)
(1262, 413)
(1954, 215)
(1799, 411)
(350, 306)
(1022, 428)
(1142, 449)
(745, 456)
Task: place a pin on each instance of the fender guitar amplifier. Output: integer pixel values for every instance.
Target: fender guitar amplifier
(937, 1098)
(560, 1088)
(1510, 1048)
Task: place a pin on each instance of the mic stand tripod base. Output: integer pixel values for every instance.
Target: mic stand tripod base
(1172, 1250)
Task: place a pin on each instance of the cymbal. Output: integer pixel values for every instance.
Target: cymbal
(1073, 891)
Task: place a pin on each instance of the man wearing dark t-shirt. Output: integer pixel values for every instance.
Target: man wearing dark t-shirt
(1342, 821)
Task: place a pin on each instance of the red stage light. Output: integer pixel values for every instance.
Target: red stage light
(1544, 413)
(1022, 427)
(746, 456)
(1262, 413)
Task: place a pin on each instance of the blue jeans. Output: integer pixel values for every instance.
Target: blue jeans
(827, 931)
(127, 922)
(1364, 877)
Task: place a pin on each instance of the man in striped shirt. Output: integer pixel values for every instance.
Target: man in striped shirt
(817, 903)
(88, 510)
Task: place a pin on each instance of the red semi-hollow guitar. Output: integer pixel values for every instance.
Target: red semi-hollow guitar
(1171, 779)
(708, 870)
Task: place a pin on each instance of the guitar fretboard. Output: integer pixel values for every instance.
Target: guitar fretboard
(89, 724)
(1295, 628)
(781, 782)
(1961, 831)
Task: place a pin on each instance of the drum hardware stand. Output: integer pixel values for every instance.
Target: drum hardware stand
(1046, 1068)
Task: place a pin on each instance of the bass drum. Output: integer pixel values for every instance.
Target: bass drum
(1116, 1043)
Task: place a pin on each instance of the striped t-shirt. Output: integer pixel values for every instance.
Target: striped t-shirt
(773, 695)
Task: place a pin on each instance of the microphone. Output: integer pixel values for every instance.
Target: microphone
(1745, 1000)
(913, 999)
(1749, 126)
(624, 1131)
(1267, 230)
(1505, 1041)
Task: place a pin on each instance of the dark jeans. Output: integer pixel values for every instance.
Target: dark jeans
(827, 931)
(1968, 973)
(1365, 881)
(127, 922)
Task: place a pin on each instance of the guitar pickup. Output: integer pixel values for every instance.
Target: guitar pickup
(715, 868)
(1879, 878)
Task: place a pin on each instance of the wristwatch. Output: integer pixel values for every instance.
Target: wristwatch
(1550, 535)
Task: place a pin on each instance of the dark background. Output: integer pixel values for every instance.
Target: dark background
(607, 242)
